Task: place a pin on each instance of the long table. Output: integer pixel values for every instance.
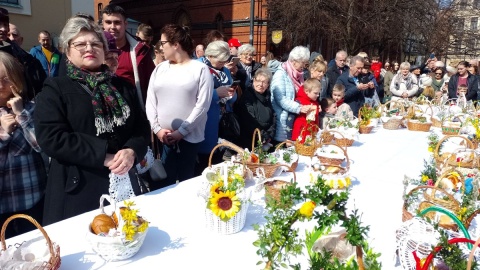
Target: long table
(177, 238)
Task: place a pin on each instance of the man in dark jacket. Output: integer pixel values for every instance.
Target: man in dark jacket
(333, 72)
(32, 69)
(355, 91)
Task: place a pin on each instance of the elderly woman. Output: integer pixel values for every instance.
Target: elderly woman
(89, 123)
(254, 109)
(23, 176)
(404, 84)
(246, 66)
(285, 83)
(178, 98)
(463, 77)
(216, 55)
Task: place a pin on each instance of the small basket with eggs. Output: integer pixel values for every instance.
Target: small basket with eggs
(334, 174)
(117, 236)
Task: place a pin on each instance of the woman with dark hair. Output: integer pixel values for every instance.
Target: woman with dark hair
(178, 99)
(463, 77)
(89, 123)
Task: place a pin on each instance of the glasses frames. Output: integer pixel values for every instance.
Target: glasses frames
(163, 42)
(82, 46)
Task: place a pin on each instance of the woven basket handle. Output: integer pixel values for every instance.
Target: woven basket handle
(400, 107)
(226, 144)
(286, 142)
(437, 149)
(472, 252)
(34, 222)
(337, 132)
(430, 256)
(344, 152)
(256, 133)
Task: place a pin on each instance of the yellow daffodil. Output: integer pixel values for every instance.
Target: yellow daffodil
(225, 205)
(424, 178)
(307, 209)
(430, 149)
(348, 181)
(340, 184)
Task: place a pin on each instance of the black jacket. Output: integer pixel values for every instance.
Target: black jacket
(66, 132)
(242, 74)
(332, 75)
(254, 110)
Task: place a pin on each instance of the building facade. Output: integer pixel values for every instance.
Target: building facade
(231, 17)
(32, 16)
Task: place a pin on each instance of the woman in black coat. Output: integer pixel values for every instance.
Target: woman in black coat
(90, 124)
(254, 110)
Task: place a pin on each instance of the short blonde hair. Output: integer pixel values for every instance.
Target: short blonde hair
(311, 84)
(318, 65)
(339, 88)
(14, 71)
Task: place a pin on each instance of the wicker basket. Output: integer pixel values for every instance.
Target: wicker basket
(307, 149)
(447, 130)
(365, 129)
(294, 164)
(233, 225)
(55, 260)
(343, 142)
(450, 159)
(326, 137)
(330, 160)
(393, 124)
(416, 125)
(342, 170)
(272, 188)
(436, 122)
(114, 248)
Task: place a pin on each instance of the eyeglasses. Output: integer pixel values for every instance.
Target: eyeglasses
(249, 55)
(163, 42)
(261, 82)
(438, 73)
(82, 46)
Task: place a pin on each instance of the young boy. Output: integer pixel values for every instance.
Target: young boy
(307, 124)
(338, 94)
(329, 111)
(461, 93)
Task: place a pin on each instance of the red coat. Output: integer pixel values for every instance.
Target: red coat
(376, 69)
(300, 124)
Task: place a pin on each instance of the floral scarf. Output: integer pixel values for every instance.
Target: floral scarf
(295, 75)
(109, 107)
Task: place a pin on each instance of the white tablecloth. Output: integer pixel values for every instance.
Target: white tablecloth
(177, 239)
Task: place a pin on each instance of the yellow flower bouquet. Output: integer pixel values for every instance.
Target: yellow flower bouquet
(226, 198)
(120, 235)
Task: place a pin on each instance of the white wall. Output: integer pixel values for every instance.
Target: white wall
(83, 6)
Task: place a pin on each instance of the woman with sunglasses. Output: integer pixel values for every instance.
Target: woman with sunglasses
(438, 81)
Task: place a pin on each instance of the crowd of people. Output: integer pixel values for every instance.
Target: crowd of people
(70, 116)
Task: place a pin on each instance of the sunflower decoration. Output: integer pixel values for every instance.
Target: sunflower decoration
(223, 199)
(225, 205)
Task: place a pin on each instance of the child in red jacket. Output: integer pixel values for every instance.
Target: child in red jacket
(307, 123)
(376, 67)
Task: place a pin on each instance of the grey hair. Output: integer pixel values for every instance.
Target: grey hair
(218, 49)
(246, 48)
(356, 59)
(265, 72)
(300, 54)
(405, 65)
(340, 53)
(74, 26)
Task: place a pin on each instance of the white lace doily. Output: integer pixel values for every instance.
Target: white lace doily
(120, 187)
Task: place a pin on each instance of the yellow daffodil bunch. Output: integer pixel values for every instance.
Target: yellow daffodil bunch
(132, 222)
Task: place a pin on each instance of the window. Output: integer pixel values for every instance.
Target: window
(460, 24)
(476, 3)
(100, 8)
(219, 22)
(12, 2)
(474, 23)
(463, 3)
